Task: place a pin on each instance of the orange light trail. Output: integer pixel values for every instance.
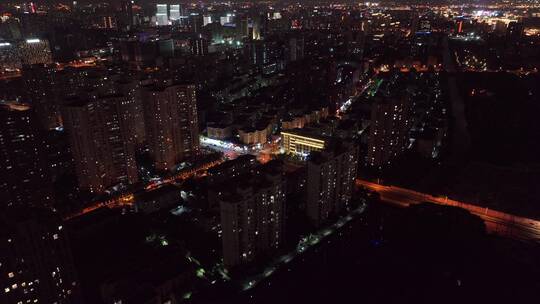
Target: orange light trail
(497, 222)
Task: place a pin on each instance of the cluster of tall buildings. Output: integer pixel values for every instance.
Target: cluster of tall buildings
(106, 124)
(104, 132)
(256, 200)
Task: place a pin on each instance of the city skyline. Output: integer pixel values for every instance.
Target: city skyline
(168, 152)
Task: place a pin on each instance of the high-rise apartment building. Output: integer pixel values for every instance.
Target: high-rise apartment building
(37, 266)
(391, 122)
(252, 215)
(101, 139)
(170, 115)
(42, 87)
(23, 172)
(133, 110)
(330, 180)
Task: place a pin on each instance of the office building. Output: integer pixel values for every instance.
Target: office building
(172, 132)
(225, 19)
(162, 14)
(330, 180)
(23, 172)
(390, 124)
(207, 20)
(174, 12)
(302, 142)
(37, 266)
(101, 139)
(252, 211)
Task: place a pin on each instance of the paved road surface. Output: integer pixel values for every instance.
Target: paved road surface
(497, 222)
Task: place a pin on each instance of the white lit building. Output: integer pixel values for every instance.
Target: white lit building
(207, 20)
(162, 15)
(174, 12)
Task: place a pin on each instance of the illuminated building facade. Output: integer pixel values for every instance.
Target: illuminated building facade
(330, 181)
(300, 142)
(23, 173)
(175, 12)
(252, 215)
(172, 131)
(37, 266)
(162, 14)
(35, 51)
(101, 139)
(207, 20)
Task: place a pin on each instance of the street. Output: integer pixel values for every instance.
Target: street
(497, 222)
